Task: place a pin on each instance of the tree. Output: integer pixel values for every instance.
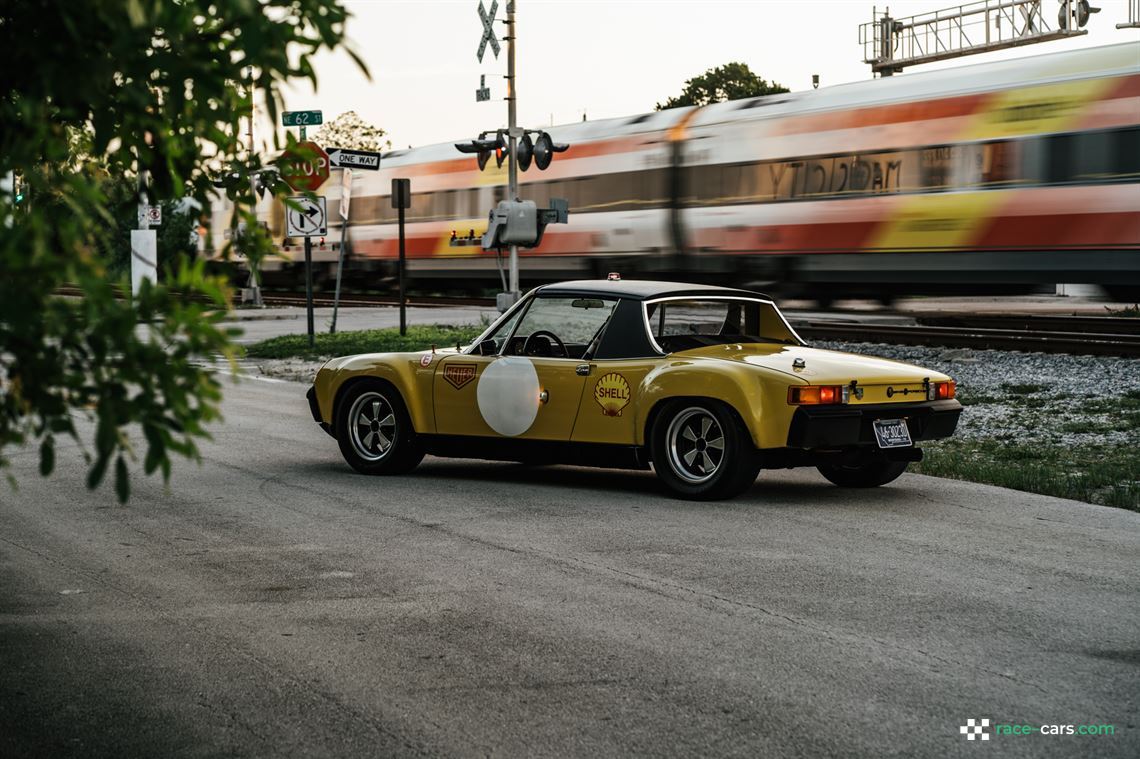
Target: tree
(350, 131)
(96, 92)
(732, 81)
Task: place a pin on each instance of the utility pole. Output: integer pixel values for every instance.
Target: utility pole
(512, 141)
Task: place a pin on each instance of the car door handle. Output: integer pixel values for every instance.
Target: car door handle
(583, 370)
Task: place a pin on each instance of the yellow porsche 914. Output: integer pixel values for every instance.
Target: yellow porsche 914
(708, 385)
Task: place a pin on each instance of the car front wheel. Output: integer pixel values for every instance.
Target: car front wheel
(870, 475)
(374, 431)
(701, 451)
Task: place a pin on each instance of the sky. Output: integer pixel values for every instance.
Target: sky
(601, 58)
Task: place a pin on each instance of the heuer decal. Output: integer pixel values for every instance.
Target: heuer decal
(458, 375)
(612, 393)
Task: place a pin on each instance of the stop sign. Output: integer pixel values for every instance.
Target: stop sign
(305, 166)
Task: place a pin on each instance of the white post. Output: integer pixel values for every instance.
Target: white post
(144, 244)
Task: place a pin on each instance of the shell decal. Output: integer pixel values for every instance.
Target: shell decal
(612, 393)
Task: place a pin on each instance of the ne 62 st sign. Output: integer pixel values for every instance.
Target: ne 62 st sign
(305, 166)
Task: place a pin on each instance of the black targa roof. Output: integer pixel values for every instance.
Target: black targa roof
(625, 335)
(640, 289)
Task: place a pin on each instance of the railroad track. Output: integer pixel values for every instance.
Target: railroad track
(1098, 336)
(324, 300)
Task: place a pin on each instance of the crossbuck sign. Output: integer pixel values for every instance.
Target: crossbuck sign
(488, 30)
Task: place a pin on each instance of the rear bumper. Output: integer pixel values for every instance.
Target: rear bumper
(843, 426)
(315, 409)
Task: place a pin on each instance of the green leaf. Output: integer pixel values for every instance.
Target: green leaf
(122, 481)
(95, 475)
(47, 456)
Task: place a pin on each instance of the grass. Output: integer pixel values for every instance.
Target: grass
(1023, 388)
(1104, 474)
(418, 337)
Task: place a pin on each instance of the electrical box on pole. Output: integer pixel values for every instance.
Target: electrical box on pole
(522, 222)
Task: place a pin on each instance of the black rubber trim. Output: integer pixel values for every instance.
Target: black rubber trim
(846, 425)
(315, 409)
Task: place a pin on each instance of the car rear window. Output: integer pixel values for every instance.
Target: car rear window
(684, 324)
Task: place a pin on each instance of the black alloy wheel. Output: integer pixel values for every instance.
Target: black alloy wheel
(374, 431)
(702, 451)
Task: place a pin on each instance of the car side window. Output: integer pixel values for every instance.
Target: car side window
(561, 327)
(493, 343)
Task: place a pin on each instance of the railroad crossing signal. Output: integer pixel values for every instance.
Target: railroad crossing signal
(488, 30)
(304, 166)
(306, 217)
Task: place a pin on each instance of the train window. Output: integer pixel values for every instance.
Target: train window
(1060, 158)
(999, 163)
(1126, 153)
(936, 167)
(1092, 160)
(1034, 159)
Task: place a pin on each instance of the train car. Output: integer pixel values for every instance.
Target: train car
(995, 176)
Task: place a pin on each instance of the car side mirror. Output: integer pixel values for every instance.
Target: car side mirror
(487, 348)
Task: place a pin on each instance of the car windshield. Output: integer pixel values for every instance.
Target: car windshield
(684, 324)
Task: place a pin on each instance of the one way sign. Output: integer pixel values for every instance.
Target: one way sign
(343, 158)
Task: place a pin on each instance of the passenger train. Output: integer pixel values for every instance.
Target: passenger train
(994, 176)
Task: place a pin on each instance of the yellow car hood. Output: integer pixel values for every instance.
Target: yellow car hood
(820, 366)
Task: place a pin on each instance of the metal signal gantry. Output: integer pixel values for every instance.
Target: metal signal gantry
(890, 44)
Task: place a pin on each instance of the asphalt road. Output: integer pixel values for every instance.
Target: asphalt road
(273, 603)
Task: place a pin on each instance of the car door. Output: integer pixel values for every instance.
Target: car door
(532, 389)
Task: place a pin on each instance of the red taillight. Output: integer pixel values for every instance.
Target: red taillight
(944, 390)
(815, 395)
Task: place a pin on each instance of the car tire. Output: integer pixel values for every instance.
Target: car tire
(870, 475)
(701, 450)
(374, 431)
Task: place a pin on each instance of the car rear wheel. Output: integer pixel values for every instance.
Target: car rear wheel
(701, 451)
(870, 475)
(374, 431)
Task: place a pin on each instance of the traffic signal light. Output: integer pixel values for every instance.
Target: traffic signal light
(544, 150)
(526, 152)
(482, 148)
(1080, 9)
(538, 150)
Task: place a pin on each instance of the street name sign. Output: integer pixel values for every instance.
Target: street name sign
(343, 158)
(301, 118)
(305, 166)
(306, 217)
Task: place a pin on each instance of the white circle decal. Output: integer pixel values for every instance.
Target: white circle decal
(508, 395)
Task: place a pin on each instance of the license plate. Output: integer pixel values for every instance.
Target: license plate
(892, 433)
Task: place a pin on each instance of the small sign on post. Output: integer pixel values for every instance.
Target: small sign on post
(345, 192)
(150, 214)
(309, 217)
